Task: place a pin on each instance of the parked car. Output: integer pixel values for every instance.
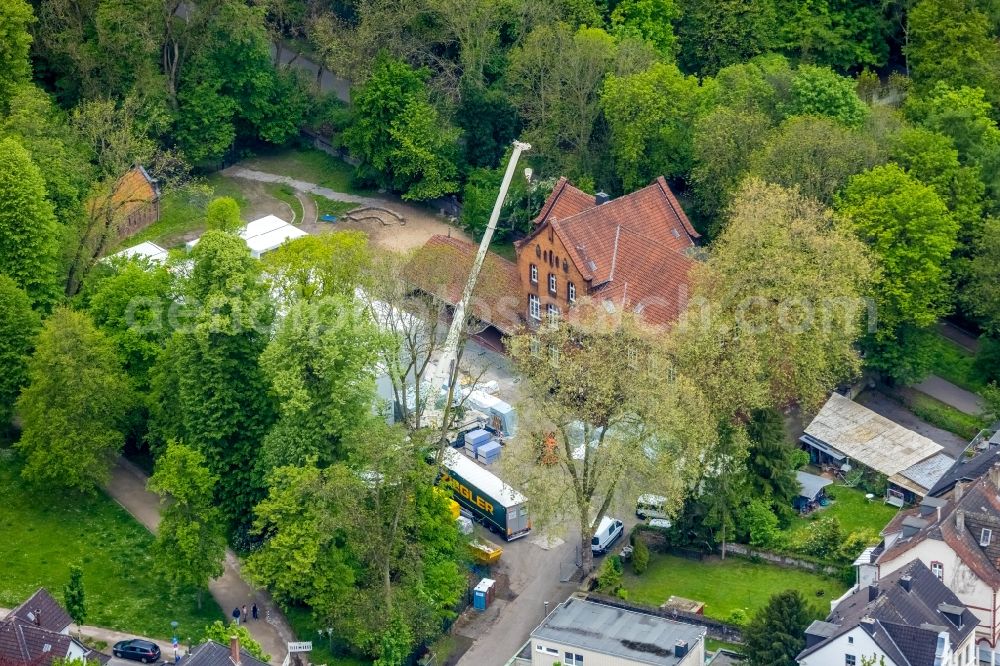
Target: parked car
(137, 649)
(607, 533)
(651, 506)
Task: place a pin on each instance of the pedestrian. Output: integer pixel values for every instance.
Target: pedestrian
(245, 614)
(253, 610)
(236, 616)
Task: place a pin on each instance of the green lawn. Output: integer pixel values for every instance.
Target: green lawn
(286, 193)
(725, 585)
(852, 510)
(954, 363)
(44, 533)
(329, 207)
(313, 166)
(183, 211)
(505, 249)
(712, 645)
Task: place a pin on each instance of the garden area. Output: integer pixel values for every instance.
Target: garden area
(732, 589)
(46, 532)
(851, 510)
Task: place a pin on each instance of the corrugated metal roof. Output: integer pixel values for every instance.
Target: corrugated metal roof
(869, 438)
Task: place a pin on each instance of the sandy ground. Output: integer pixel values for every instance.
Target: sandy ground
(420, 223)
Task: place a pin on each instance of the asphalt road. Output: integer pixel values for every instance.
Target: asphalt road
(535, 566)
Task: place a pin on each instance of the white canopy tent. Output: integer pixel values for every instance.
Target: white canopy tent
(264, 235)
(148, 251)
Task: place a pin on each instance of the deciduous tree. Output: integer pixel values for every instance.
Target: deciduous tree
(74, 598)
(321, 366)
(649, 21)
(74, 406)
(319, 265)
(604, 418)
(28, 231)
(223, 213)
(190, 540)
(208, 388)
(981, 295)
(18, 327)
(650, 116)
(15, 42)
(712, 35)
(912, 234)
(817, 155)
(819, 91)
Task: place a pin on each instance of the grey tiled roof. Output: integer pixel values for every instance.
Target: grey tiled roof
(51, 615)
(903, 621)
(211, 653)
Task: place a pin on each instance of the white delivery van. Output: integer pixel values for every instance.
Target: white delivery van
(607, 533)
(651, 506)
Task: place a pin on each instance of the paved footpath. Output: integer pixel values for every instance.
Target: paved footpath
(128, 488)
(948, 393)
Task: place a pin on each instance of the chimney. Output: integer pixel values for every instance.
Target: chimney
(234, 649)
(38, 617)
(601, 198)
(906, 582)
(995, 475)
(680, 649)
(872, 592)
(960, 520)
(959, 491)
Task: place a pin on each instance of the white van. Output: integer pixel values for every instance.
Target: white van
(607, 533)
(651, 506)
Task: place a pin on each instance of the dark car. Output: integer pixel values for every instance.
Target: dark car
(138, 650)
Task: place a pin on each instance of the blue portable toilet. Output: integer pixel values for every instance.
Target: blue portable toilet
(482, 594)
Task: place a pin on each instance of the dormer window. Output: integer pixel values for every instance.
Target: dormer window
(985, 537)
(938, 570)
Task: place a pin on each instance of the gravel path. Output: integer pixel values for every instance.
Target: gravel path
(264, 177)
(949, 394)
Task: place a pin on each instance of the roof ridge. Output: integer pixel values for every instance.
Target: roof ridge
(614, 253)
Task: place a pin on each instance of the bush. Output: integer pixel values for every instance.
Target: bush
(738, 618)
(640, 556)
(760, 523)
(856, 542)
(609, 579)
(820, 538)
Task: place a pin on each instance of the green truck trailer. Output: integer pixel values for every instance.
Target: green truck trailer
(494, 503)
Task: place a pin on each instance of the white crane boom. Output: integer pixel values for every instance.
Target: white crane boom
(443, 371)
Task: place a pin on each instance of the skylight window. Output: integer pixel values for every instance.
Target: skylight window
(985, 537)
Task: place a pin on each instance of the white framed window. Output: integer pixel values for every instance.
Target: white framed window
(553, 313)
(552, 650)
(937, 569)
(985, 537)
(534, 274)
(571, 659)
(850, 660)
(571, 292)
(533, 307)
(552, 282)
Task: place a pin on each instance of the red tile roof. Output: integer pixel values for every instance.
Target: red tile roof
(633, 249)
(446, 263)
(565, 201)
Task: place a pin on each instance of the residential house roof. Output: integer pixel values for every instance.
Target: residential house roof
(959, 522)
(31, 634)
(908, 458)
(634, 251)
(441, 267)
(904, 614)
(211, 653)
(43, 610)
(637, 637)
(966, 469)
